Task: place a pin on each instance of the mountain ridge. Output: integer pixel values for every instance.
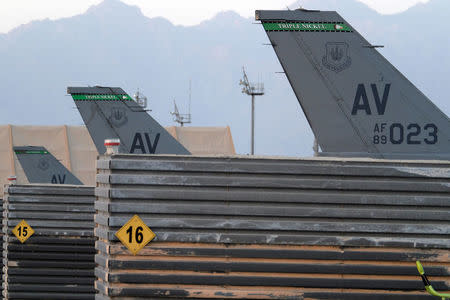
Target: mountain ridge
(308, 4)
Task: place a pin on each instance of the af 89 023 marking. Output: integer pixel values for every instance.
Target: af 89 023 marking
(411, 134)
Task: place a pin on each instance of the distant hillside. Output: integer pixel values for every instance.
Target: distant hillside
(114, 44)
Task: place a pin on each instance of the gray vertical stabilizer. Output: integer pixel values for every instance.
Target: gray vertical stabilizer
(112, 113)
(42, 167)
(356, 102)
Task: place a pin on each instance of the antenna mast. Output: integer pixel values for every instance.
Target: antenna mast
(190, 92)
(253, 90)
(182, 118)
(140, 99)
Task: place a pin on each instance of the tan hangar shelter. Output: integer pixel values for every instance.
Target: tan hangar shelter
(73, 146)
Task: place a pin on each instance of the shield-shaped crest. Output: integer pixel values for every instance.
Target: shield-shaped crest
(43, 164)
(336, 57)
(118, 116)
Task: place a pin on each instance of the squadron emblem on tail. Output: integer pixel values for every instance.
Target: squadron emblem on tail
(43, 164)
(118, 116)
(336, 57)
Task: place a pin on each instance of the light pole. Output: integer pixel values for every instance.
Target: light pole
(253, 90)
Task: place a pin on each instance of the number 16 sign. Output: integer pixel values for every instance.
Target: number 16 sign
(135, 234)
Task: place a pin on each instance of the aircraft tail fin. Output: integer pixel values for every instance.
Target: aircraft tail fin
(109, 112)
(42, 167)
(355, 101)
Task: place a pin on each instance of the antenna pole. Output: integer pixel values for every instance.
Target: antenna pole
(179, 117)
(190, 91)
(253, 125)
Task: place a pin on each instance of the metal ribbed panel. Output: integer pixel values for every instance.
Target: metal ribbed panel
(57, 262)
(273, 228)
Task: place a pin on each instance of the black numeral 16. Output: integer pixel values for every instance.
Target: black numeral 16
(139, 237)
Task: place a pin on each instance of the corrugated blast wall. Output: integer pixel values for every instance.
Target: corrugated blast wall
(57, 261)
(273, 228)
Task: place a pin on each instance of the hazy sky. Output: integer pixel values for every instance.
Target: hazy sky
(179, 12)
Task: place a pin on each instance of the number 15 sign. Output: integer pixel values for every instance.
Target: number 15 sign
(135, 234)
(23, 231)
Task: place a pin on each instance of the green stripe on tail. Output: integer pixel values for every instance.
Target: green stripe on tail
(82, 97)
(306, 26)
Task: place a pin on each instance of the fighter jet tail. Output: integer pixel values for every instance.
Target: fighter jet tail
(112, 113)
(356, 102)
(42, 167)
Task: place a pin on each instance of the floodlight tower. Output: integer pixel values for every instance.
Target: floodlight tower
(252, 89)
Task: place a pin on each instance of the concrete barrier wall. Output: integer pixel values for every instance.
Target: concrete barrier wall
(272, 228)
(57, 261)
